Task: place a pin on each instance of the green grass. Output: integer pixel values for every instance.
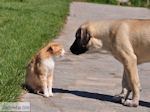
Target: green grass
(137, 3)
(24, 26)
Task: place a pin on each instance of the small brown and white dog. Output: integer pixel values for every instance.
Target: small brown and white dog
(40, 69)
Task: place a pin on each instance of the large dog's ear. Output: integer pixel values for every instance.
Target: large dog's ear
(83, 35)
(78, 33)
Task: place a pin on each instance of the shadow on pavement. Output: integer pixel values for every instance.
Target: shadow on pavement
(98, 96)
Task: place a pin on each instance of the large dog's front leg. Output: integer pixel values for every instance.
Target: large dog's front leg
(129, 61)
(126, 89)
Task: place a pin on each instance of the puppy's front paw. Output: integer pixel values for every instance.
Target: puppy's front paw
(131, 103)
(46, 94)
(51, 94)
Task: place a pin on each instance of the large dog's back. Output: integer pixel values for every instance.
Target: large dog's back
(139, 34)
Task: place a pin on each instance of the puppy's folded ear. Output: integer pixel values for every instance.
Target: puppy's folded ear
(53, 48)
(50, 49)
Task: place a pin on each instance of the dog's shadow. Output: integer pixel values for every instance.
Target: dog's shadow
(97, 96)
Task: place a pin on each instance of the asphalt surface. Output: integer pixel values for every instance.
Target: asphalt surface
(87, 82)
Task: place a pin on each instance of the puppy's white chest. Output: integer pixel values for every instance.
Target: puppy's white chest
(49, 63)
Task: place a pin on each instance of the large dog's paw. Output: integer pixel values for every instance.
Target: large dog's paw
(131, 103)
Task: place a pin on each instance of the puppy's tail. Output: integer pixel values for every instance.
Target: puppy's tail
(39, 93)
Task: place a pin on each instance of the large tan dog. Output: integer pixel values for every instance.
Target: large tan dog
(127, 40)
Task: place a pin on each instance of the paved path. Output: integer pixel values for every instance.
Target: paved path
(87, 83)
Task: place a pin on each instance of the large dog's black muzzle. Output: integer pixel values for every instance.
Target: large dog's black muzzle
(77, 48)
